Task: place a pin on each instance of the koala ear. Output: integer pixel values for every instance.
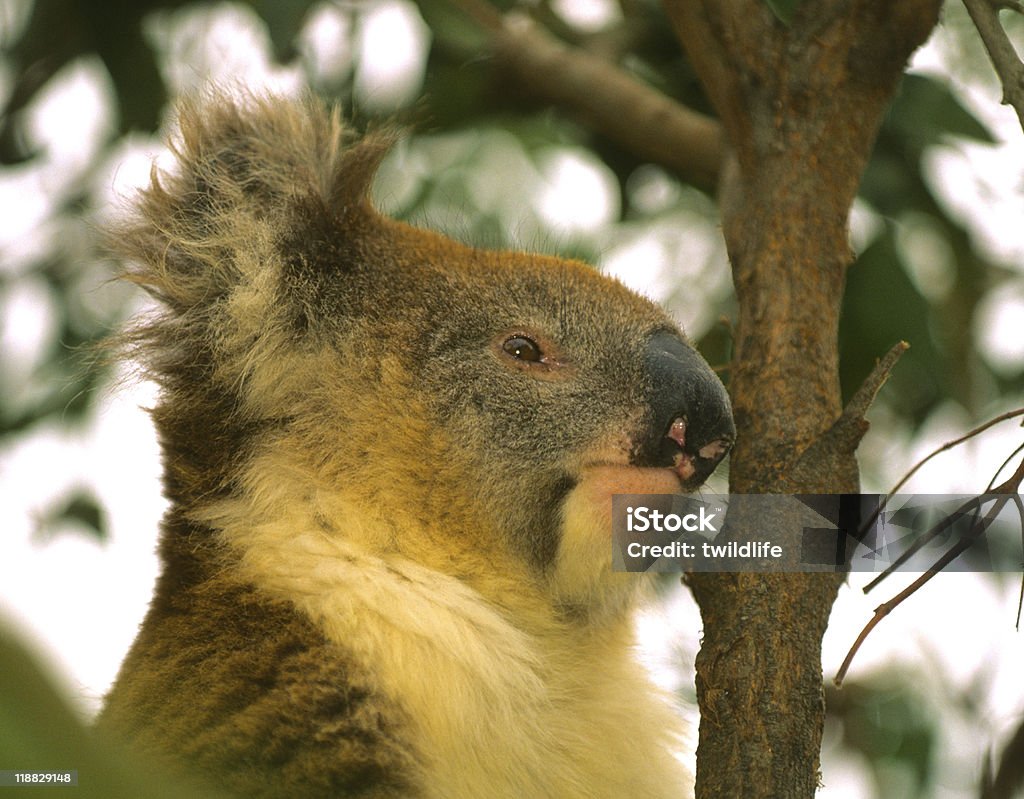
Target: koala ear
(356, 169)
(275, 150)
(256, 224)
(249, 171)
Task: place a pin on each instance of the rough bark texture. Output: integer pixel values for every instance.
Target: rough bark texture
(800, 106)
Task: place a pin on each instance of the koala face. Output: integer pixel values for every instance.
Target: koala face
(546, 388)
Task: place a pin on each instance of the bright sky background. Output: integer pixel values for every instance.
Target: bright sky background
(81, 601)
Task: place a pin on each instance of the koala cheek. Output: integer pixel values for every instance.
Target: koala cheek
(600, 482)
(582, 574)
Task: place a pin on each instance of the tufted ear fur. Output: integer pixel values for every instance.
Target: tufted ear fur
(259, 189)
(256, 228)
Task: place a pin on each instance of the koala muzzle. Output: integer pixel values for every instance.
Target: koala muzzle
(689, 426)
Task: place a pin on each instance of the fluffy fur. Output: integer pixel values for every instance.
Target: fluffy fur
(387, 556)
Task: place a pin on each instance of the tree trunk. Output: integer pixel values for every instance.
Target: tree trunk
(801, 105)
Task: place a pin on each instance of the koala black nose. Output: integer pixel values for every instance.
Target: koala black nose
(689, 426)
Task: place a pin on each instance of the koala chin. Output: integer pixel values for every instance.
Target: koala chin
(390, 459)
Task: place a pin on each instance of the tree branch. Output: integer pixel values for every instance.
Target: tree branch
(861, 401)
(610, 101)
(985, 15)
(801, 105)
(830, 457)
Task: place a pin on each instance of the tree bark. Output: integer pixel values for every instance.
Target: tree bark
(800, 105)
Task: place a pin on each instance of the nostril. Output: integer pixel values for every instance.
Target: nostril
(715, 450)
(677, 431)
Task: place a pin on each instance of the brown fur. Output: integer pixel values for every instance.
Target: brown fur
(386, 561)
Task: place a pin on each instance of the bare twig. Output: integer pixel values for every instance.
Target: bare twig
(985, 15)
(1009, 5)
(1002, 466)
(948, 557)
(957, 442)
(972, 506)
(1005, 493)
(859, 403)
(626, 110)
(947, 446)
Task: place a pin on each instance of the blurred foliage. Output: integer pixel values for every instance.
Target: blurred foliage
(38, 732)
(884, 303)
(484, 146)
(783, 9)
(464, 92)
(894, 728)
(80, 511)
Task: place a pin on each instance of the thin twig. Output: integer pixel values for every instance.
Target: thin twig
(1009, 5)
(947, 446)
(948, 557)
(971, 506)
(1002, 466)
(957, 442)
(1008, 491)
(868, 390)
(985, 16)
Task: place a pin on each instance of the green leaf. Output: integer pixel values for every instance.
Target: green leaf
(783, 9)
(881, 307)
(926, 112)
(39, 731)
(284, 19)
(452, 29)
(81, 510)
(891, 725)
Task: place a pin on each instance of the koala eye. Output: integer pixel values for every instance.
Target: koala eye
(522, 349)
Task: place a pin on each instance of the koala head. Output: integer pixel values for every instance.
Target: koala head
(470, 410)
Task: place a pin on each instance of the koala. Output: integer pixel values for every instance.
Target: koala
(389, 459)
